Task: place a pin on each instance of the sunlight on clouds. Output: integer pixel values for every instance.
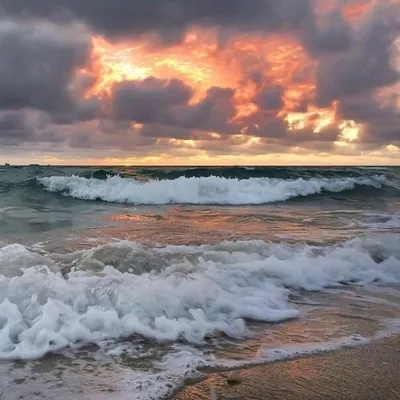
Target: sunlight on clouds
(198, 64)
(190, 62)
(393, 149)
(318, 119)
(350, 130)
(249, 64)
(182, 143)
(114, 64)
(314, 118)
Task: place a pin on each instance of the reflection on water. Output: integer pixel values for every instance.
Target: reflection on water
(197, 225)
(184, 224)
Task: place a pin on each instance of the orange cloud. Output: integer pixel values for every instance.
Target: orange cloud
(201, 63)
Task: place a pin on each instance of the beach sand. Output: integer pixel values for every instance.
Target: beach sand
(365, 372)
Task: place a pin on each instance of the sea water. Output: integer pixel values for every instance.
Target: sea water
(125, 282)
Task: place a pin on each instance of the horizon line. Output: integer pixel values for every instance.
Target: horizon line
(203, 165)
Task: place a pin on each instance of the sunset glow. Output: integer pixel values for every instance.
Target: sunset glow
(197, 64)
(304, 84)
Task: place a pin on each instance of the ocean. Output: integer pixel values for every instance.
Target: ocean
(128, 282)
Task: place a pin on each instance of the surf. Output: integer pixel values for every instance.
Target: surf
(170, 293)
(206, 190)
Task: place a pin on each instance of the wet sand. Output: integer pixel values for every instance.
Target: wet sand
(366, 372)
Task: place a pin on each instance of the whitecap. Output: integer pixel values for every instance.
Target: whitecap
(209, 190)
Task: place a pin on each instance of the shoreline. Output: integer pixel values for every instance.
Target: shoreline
(367, 372)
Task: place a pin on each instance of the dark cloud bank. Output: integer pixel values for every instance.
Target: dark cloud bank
(44, 42)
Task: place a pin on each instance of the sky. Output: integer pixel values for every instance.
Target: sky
(200, 82)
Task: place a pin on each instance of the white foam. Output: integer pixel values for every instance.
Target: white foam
(189, 358)
(15, 258)
(177, 292)
(289, 351)
(210, 190)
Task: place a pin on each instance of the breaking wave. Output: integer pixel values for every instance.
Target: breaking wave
(204, 190)
(52, 301)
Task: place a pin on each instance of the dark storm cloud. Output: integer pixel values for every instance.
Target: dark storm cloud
(273, 128)
(212, 113)
(164, 107)
(355, 78)
(13, 125)
(381, 121)
(19, 126)
(82, 110)
(42, 99)
(168, 20)
(150, 100)
(332, 34)
(37, 64)
(367, 65)
(166, 102)
(270, 98)
(36, 129)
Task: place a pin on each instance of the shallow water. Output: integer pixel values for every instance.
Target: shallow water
(125, 282)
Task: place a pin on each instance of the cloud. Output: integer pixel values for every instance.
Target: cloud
(167, 102)
(37, 64)
(275, 57)
(270, 98)
(164, 109)
(276, 130)
(212, 113)
(149, 100)
(330, 34)
(381, 120)
(368, 65)
(167, 21)
(22, 126)
(165, 17)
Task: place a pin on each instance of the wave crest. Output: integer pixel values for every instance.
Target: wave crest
(209, 190)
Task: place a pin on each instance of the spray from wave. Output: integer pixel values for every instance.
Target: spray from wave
(205, 190)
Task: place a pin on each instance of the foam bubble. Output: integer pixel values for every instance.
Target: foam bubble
(193, 292)
(210, 190)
